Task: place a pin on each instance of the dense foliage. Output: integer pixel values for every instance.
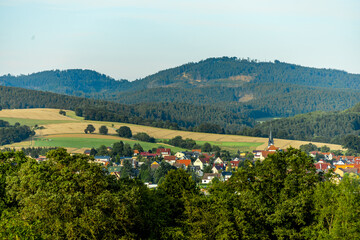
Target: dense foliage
(75, 82)
(144, 137)
(251, 88)
(17, 133)
(329, 127)
(164, 115)
(124, 131)
(69, 197)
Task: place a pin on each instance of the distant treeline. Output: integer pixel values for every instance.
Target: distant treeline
(13, 133)
(167, 115)
(331, 127)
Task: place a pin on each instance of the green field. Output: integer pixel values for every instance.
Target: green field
(233, 146)
(70, 142)
(71, 114)
(229, 146)
(32, 122)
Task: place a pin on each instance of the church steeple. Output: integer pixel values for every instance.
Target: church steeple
(271, 140)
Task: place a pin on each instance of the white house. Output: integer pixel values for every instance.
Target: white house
(102, 159)
(180, 155)
(218, 161)
(199, 163)
(208, 177)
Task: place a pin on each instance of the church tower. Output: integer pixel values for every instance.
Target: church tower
(271, 140)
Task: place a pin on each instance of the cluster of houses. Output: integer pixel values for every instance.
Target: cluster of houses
(219, 169)
(197, 161)
(341, 165)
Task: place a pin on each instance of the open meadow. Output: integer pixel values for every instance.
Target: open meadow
(68, 131)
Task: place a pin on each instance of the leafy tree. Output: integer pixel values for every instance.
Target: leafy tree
(173, 190)
(126, 170)
(275, 196)
(144, 137)
(93, 152)
(103, 130)
(72, 198)
(127, 150)
(145, 172)
(62, 112)
(89, 129)
(249, 156)
(138, 147)
(325, 149)
(352, 142)
(308, 147)
(162, 171)
(125, 132)
(206, 147)
(79, 112)
(102, 151)
(118, 149)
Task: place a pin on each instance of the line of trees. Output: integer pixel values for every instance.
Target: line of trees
(68, 197)
(14, 133)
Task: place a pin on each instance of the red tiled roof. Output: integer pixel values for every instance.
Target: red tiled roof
(147, 154)
(234, 163)
(265, 154)
(186, 162)
(272, 148)
(321, 165)
(161, 150)
(196, 150)
(208, 155)
(169, 158)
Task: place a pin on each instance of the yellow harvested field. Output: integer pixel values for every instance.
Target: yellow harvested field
(160, 133)
(34, 113)
(62, 129)
(73, 127)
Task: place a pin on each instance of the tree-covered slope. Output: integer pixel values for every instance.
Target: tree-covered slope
(233, 72)
(72, 82)
(155, 114)
(331, 127)
(246, 87)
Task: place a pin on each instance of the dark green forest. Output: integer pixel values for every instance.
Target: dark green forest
(164, 115)
(69, 197)
(330, 127)
(13, 133)
(217, 95)
(242, 86)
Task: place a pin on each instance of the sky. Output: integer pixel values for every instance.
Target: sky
(135, 38)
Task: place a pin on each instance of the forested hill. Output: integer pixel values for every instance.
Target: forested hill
(240, 86)
(232, 72)
(72, 82)
(331, 127)
(165, 115)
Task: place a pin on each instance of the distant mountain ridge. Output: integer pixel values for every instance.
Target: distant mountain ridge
(241, 86)
(72, 82)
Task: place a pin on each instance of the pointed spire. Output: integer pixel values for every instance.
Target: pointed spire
(271, 140)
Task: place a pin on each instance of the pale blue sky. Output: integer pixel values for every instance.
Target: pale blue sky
(132, 39)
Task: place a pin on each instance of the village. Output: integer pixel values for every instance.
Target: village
(206, 167)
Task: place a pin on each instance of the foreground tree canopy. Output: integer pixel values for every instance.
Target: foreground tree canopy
(70, 197)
